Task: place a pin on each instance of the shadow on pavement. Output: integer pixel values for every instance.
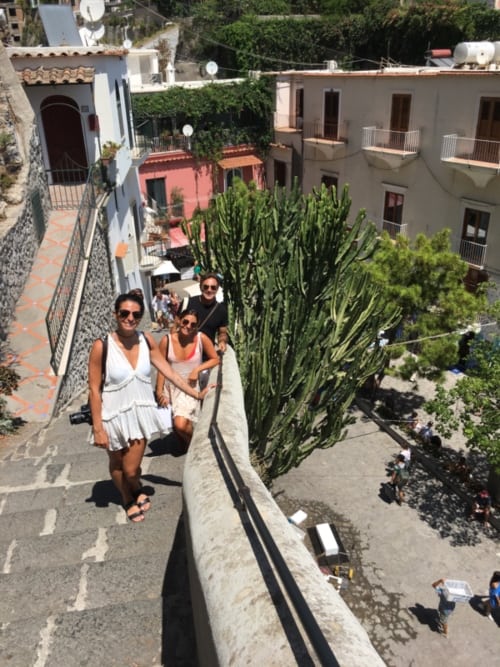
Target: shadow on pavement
(425, 616)
(169, 444)
(178, 635)
(104, 494)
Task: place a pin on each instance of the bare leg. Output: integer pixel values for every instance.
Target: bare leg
(125, 471)
(184, 429)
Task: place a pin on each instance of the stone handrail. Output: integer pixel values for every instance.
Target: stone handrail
(236, 618)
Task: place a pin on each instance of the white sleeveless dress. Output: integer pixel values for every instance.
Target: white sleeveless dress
(184, 405)
(129, 409)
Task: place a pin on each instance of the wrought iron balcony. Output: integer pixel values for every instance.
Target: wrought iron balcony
(393, 228)
(390, 148)
(473, 253)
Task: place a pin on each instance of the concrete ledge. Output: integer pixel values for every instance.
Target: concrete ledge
(240, 616)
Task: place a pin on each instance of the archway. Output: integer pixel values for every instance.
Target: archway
(64, 139)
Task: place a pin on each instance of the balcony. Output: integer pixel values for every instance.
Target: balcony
(479, 159)
(473, 253)
(287, 122)
(389, 149)
(324, 141)
(393, 228)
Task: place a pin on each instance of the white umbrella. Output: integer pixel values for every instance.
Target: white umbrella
(166, 267)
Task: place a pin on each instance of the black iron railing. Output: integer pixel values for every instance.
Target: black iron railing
(63, 302)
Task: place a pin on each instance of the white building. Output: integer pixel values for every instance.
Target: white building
(418, 147)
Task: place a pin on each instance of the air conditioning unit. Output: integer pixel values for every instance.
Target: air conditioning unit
(156, 77)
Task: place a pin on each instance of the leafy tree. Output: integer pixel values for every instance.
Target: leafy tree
(303, 315)
(473, 404)
(426, 279)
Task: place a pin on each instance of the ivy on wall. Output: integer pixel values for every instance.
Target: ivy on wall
(220, 114)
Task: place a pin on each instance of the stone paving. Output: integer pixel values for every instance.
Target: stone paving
(397, 552)
(81, 585)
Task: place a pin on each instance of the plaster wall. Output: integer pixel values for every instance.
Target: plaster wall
(443, 102)
(239, 618)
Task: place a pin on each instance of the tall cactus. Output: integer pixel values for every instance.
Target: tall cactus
(304, 314)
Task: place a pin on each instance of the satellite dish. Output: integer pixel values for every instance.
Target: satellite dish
(211, 68)
(187, 131)
(91, 36)
(92, 10)
(127, 44)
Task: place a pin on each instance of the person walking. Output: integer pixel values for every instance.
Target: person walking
(160, 305)
(189, 352)
(445, 608)
(212, 314)
(493, 602)
(399, 478)
(122, 404)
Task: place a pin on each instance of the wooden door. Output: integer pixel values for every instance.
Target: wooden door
(331, 115)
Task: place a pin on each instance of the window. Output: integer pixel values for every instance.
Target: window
(474, 234)
(331, 114)
(230, 175)
(400, 112)
(280, 173)
(392, 221)
(488, 130)
(157, 195)
(475, 226)
(119, 109)
(330, 181)
(299, 108)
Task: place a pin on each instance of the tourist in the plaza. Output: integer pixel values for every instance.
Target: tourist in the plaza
(445, 608)
(189, 352)
(481, 507)
(122, 403)
(160, 305)
(493, 602)
(399, 478)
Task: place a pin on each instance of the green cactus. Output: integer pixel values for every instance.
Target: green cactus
(303, 312)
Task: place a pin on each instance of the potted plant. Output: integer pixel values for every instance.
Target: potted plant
(109, 151)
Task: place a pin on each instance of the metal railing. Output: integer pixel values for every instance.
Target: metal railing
(247, 505)
(66, 183)
(331, 131)
(63, 301)
(470, 150)
(402, 142)
(393, 228)
(472, 252)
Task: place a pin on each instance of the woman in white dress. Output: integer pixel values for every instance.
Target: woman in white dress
(189, 352)
(122, 404)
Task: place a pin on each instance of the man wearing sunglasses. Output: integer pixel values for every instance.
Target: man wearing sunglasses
(212, 314)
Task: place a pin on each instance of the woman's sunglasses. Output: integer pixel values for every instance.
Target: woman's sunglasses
(188, 323)
(123, 314)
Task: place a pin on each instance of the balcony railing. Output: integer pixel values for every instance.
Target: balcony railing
(391, 140)
(393, 228)
(472, 252)
(471, 151)
(326, 131)
(287, 121)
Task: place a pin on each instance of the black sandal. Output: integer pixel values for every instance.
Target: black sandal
(142, 503)
(134, 516)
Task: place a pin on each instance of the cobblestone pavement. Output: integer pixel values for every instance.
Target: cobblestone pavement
(397, 552)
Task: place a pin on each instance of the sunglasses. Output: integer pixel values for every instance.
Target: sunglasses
(209, 288)
(123, 314)
(188, 323)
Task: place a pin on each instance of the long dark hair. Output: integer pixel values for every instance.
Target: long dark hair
(189, 311)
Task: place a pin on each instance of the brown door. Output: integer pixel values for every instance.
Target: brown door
(62, 127)
(400, 119)
(488, 130)
(331, 115)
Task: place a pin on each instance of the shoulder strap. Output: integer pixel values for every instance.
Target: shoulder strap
(166, 349)
(104, 356)
(212, 311)
(146, 338)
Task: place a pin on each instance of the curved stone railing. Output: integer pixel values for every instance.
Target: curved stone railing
(239, 618)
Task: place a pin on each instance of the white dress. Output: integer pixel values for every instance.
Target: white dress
(184, 405)
(129, 410)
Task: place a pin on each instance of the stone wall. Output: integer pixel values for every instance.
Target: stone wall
(240, 617)
(20, 236)
(94, 318)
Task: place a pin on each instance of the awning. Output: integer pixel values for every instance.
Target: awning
(240, 161)
(165, 268)
(121, 250)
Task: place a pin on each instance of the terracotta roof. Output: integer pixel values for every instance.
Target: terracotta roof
(52, 75)
(37, 52)
(240, 161)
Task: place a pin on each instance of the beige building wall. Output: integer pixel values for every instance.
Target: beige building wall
(435, 193)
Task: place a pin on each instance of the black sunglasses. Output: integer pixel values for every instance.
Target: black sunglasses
(188, 323)
(211, 288)
(123, 314)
